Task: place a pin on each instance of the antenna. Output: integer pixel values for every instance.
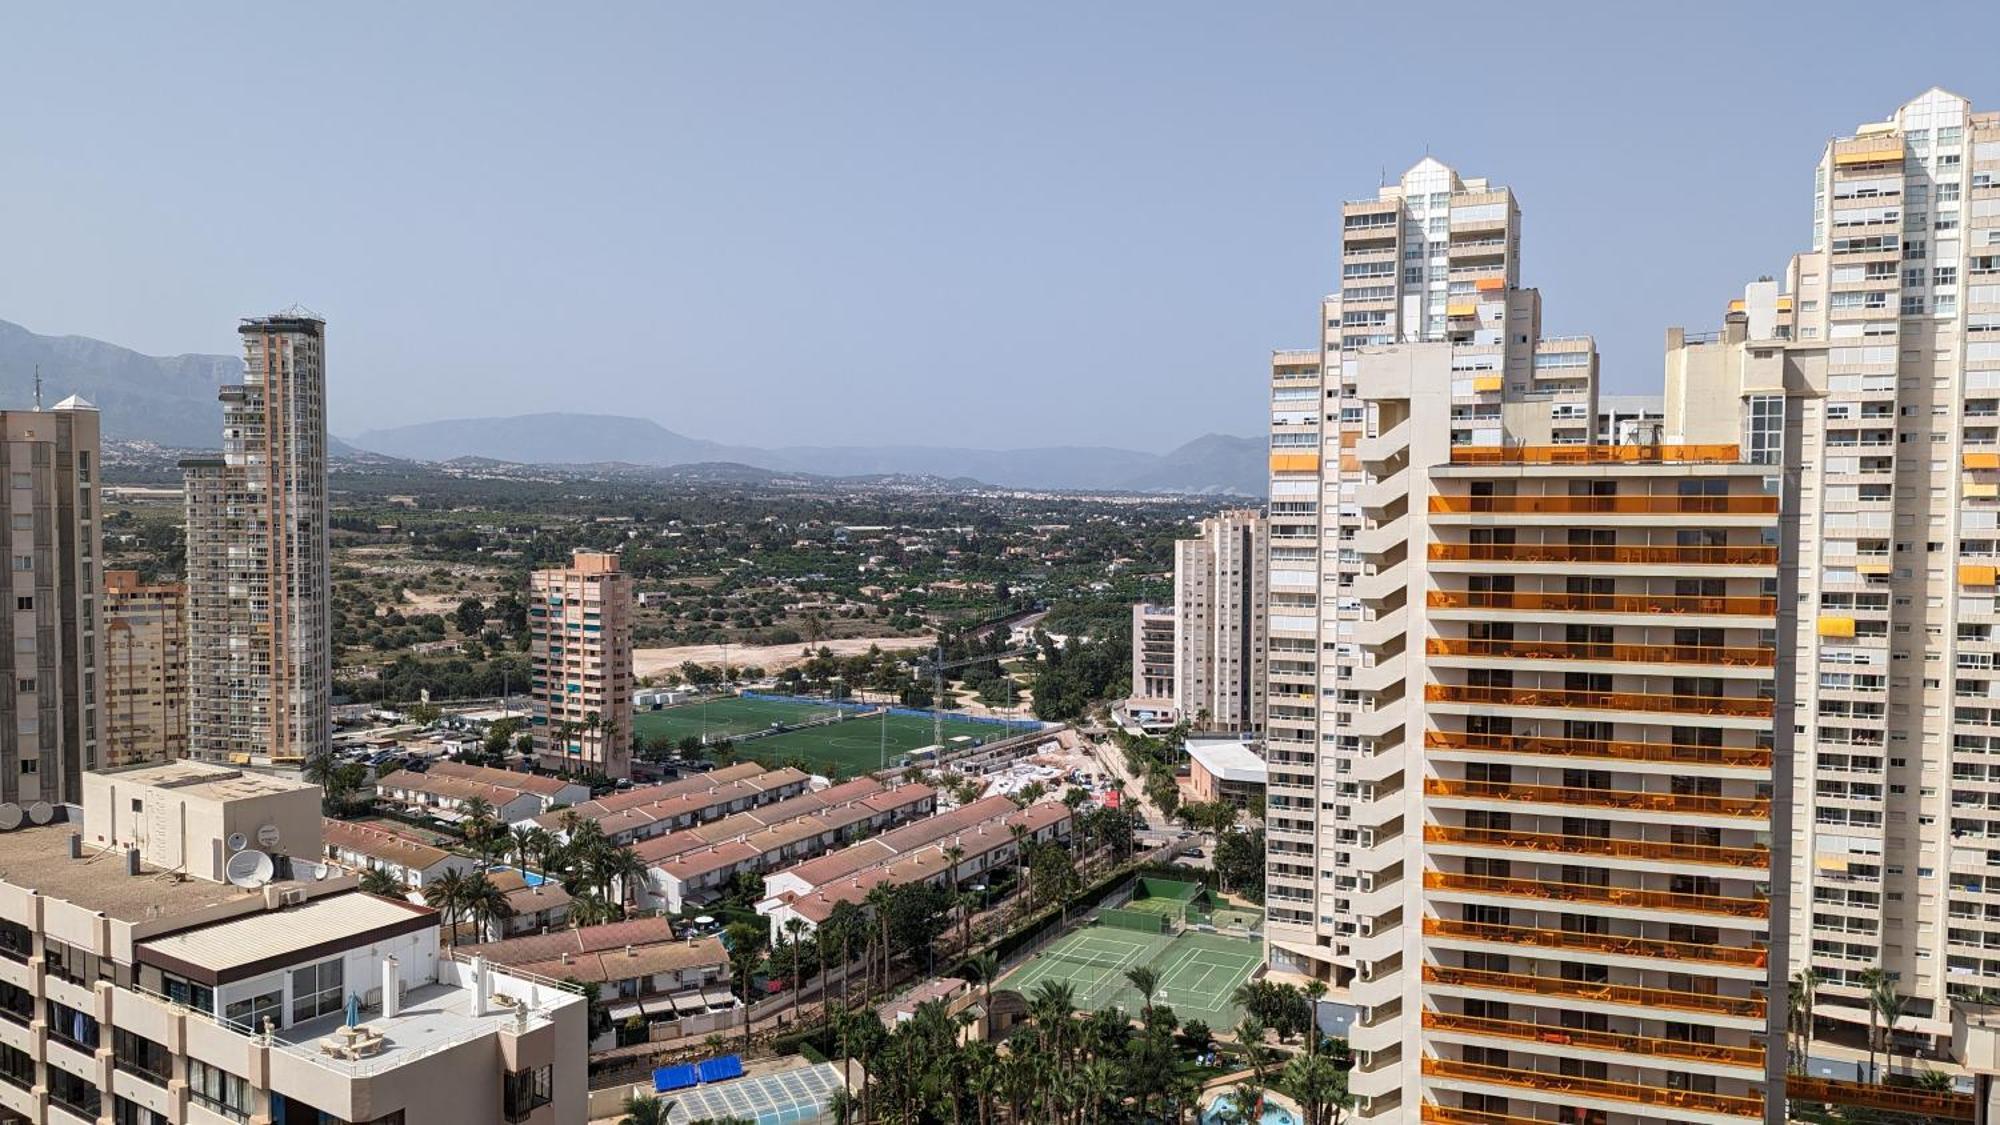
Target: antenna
(38, 388)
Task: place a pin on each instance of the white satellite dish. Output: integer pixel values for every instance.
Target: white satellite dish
(267, 836)
(237, 841)
(11, 817)
(249, 868)
(319, 871)
(41, 813)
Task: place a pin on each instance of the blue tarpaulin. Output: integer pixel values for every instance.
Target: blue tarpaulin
(674, 1078)
(717, 1070)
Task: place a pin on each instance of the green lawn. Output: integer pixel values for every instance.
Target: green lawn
(854, 745)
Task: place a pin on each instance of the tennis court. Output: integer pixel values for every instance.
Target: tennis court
(1197, 972)
(854, 744)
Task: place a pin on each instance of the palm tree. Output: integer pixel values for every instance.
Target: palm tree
(1803, 995)
(645, 1109)
(983, 970)
(1318, 1086)
(522, 840)
(1884, 1001)
(1872, 979)
(746, 956)
(1315, 991)
(794, 930)
(623, 866)
(588, 908)
(378, 881)
(1250, 1037)
(486, 905)
(1145, 982)
(878, 898)
(446, 894)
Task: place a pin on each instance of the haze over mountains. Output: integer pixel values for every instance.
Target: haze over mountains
(170, 400)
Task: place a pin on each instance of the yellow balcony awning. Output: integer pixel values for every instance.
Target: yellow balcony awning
(1976, 490)
(1836, 626)
(1490, 284)
(1982, 460)
(1869, 156)
(1873, 568)
(1976, 574)
(1294, 462)
(1482, 384)
(1736, 305)
(1466, 308)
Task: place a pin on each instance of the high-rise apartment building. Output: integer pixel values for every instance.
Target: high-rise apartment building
(51, 707)
(260, 659)
(1153, 679)
(1525, 708)
(580, 645)
(145, 669)
(1219, 605)
(1879, 359)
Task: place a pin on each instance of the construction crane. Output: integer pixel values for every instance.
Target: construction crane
(939, 666)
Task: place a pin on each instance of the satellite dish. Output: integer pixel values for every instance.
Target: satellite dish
(319, 871)
(11, 817)
(267, 836)
(249, 868)
(238, 841)
(40, 812)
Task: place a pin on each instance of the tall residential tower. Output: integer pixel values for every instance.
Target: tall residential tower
(145, 669)
(260, 660)
(580, 646)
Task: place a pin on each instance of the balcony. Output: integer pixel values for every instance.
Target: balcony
(1951, 1107)
(1434, 1114)
(1555, 843)
(1603, 553)
(1563, 1085)
(1587, 893)
(1671, 504)
(1727, 656)
(1561, 1038)
(1627, 800)
(1534, 937)
(1602, 603)
(1597, 455)
(1748, 707)
(1740, 1007)
(1668, 752)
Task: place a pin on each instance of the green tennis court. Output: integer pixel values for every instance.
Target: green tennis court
(1197, 973)
(853, 745)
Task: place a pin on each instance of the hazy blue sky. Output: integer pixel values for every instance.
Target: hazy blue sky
(993, 225)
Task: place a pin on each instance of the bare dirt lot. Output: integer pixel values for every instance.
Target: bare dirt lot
(771, 658)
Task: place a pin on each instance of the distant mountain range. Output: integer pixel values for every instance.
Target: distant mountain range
(1216, 463)
(170, 401)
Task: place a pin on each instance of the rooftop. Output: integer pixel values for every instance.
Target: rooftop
(200, 779)
(380, 844)
(37, 859)
(505, 779)
(257, 943)
(1228, 760)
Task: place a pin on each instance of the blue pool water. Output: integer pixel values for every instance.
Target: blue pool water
(527, 877)
(1273, 1114)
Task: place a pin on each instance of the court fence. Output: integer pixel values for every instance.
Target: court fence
(1143, 921)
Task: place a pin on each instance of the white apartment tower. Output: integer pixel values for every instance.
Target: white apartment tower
(260, 660)
(1219, 640)
(1524, 707)
(1883, 350)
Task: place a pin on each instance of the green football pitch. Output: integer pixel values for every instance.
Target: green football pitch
(854, 745)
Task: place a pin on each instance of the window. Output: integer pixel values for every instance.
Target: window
(219, 1090)
(317, 990)
(526, 1091)
(73, 1093)
(77, 966)
(132, 1113)
(72, 1026)
(16, 1003)
(16, 943)
(250, 1012)
(136, 1054)
(16, 1068)
(200, 997)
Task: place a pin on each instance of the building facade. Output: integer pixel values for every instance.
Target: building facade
(260, 658)
(51, 715)
(1219, 606)
(1526, 705)
(145, 669)
(1153, 679)
(580, 627)
(1878, 356)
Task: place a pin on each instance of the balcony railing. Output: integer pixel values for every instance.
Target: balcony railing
(1589, 893)
(1747, 756)
(1556, 843)
(1561, 1084)
(1535, 937)
(1602, 603)
(1434, 1114)
(1629, 800)
(1561, 1038)
(1730, 705)
(1865, 1095)
(1603, 553)
(1727, 656)
(1560, 505)
(1596, 455)
(1743, 1007)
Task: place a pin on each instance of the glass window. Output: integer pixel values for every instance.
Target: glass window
(251, 1012)
(72, 1026)
(136, 1054)
(526, 1091)
(15, 940)
(317, 990)
(186, 992)
(16, 1067)
(218, 1090)
(132, 1113)
(71, 1092)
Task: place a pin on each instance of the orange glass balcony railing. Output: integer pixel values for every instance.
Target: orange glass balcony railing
(1728, 656)
(1746, 756)
(1630, 800)
(1558, 843)
(1564, 1085)
(1535, 937)
(1564, 1037)
(1596, 454)
(1868, 1095)
(1603, 553)
(1603, 603)
(1743, 1007)
(1745, 706)
(1663, 505)
(1591, 894)
(1434, 1114)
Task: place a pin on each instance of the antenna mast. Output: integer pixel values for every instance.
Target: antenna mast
(38, 388)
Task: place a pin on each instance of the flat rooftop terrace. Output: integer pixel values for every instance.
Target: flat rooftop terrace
(37, 859)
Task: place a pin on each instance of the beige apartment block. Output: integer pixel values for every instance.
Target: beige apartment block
(260, 658)
(1153, 678)
(1526, 707)
(580, 626)
(138, 985)
(1878, 358)
(145, 669)
(51, 713)
(1219, 606)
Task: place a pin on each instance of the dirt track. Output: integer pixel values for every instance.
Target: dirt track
(771, 658)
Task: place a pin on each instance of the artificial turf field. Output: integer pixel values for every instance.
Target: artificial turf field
(1198, 972)
(852, 746)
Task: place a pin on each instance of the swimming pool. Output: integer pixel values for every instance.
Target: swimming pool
(1223, 1106)
(528, 878)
